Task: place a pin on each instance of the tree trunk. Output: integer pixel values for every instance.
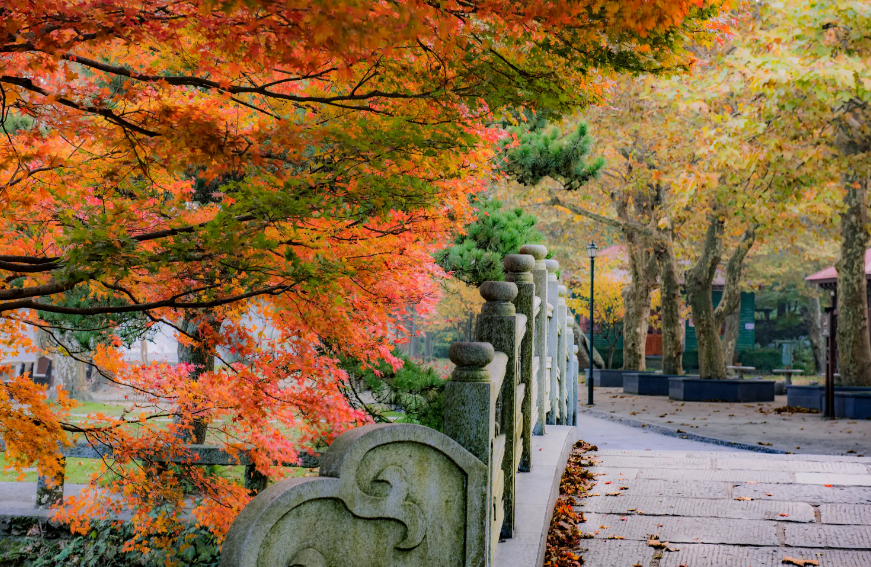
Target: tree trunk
(583, 342)
(854, 346)
(636, 301)
(730, 335)
(818, 342)
(202, 357)
(670, 303)
(707, 320)
(67, 372)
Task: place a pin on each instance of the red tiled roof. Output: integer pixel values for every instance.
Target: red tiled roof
(831, 275)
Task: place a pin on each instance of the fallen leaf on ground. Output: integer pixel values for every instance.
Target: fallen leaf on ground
(612, 536)
(750, 482)
(828, 485)
(785, 515)
(768, 494)
(613, 493)
(604, 527)
(743, 498)
(656, 544)
(800, 562)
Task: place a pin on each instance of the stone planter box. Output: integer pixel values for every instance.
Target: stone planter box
(698, 390)
(608, 378)
(814, 397)
(853, 405)
(645, 384)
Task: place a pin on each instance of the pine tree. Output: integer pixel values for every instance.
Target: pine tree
(476, 256)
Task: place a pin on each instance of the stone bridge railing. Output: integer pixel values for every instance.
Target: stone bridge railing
(406, 495)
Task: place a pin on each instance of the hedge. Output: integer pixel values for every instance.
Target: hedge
(763, 359)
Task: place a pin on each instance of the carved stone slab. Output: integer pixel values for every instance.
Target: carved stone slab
(387, 496)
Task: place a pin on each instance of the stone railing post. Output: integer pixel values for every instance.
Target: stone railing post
(470, 420)
(552, 338)
(518, 271)
(575, 402)
(539, 277)
(562, 355)
(500, 325)
(571, 381)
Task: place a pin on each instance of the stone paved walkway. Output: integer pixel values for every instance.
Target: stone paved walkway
(754, 424)
(721, 507)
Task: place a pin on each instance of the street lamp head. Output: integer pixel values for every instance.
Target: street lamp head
(592, 250)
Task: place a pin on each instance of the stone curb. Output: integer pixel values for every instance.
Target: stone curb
(674, 433)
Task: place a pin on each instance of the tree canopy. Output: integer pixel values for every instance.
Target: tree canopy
(297, 162)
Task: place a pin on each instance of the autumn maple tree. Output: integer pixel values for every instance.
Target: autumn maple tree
(208, 164)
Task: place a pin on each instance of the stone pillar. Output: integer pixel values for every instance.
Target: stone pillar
(562, 354)
(518, 271)
(500, 325)
(470, 419)
(539, 277)
(552, 337)
(577, 363)
(570, 381)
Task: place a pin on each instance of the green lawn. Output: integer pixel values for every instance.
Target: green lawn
(79, 471)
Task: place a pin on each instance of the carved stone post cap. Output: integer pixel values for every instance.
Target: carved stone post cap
(498, 291)
(570, 321)
(519, 262)
(552, 265)
(537, 251)
(471, 360)
(563, 291)
(471, 354)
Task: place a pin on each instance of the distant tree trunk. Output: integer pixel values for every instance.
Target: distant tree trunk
(730, 335)
(670, 301)
(583, 342)
(636, 301)
(854, 346)
(67, 372)
(818, 342)
(202, 357)
(707, 320)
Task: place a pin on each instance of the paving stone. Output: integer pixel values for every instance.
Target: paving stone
(670, 488)
(612, 474)
(812, 494)
(728, 476)
(645, 462)
(846, 514)
(819, 535)
(700, 508)
(679, 529)
(762, 464)
(695, 555)
(615, 553)
(836, 479)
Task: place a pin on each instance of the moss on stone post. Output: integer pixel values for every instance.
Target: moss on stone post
(470, 420)
(518, 270)
(575, 382)
(539, 277)
(562, 355)
(500, 325)
(570, 380)
(552, 338)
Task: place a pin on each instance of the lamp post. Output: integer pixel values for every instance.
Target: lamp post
(591, 252)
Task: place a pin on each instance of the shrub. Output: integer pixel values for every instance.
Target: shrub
(416, 390)
(763, 359)
(103, 545)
